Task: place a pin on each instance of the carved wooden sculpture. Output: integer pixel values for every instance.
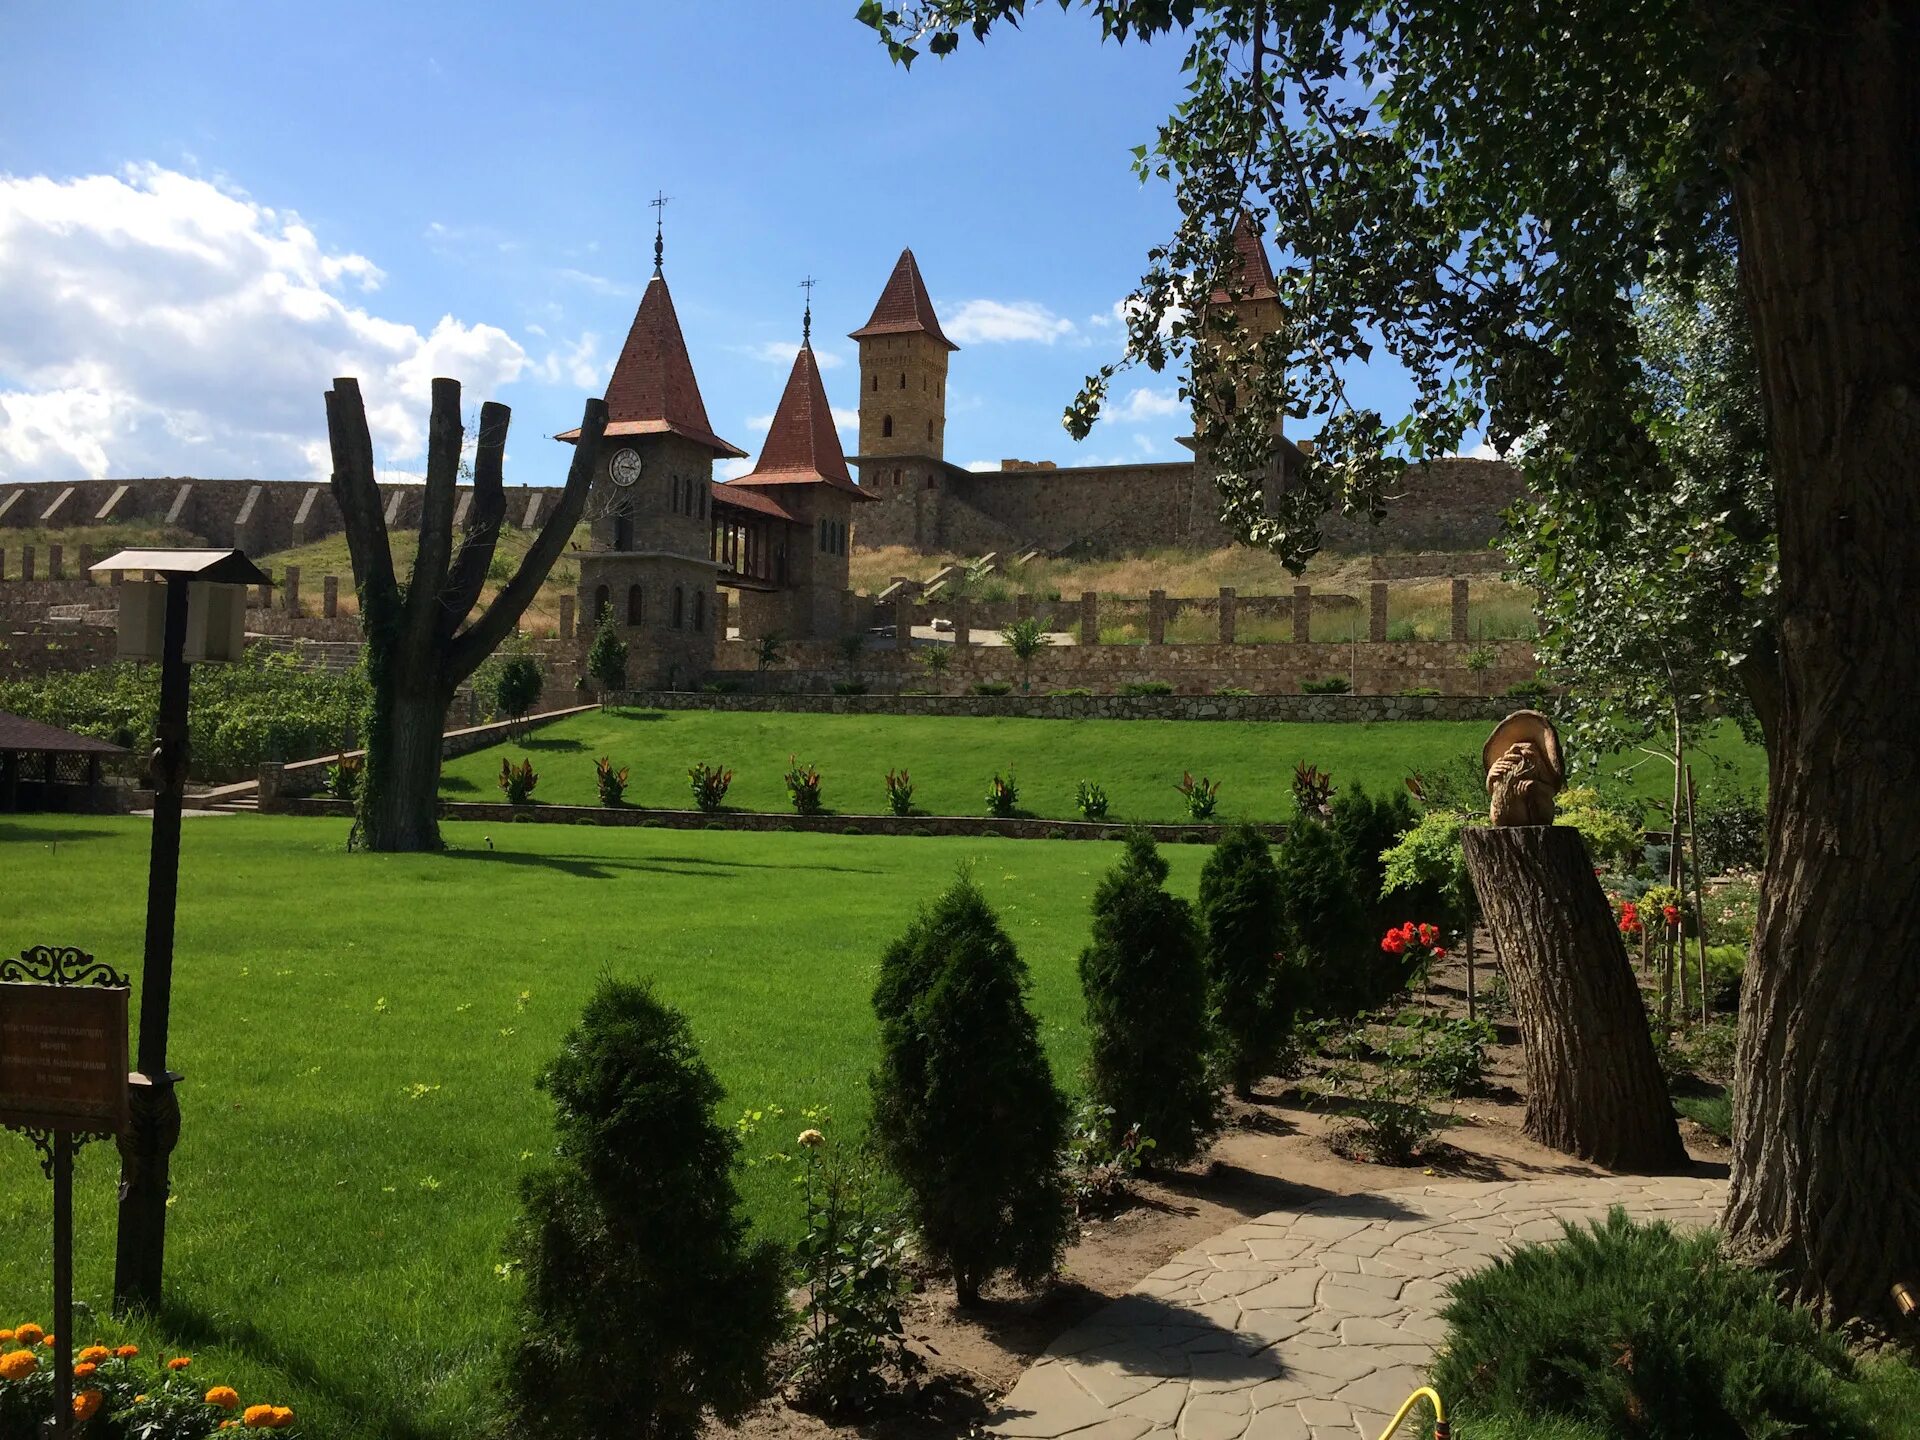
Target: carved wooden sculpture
(1594, 1087)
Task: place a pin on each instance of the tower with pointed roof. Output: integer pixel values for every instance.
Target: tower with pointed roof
(803, 470)
(903, 389)
(650, 523)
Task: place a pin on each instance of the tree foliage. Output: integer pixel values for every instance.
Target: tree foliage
(607, 655)
(964, 1107)
(1146, 992)
(1249, 985)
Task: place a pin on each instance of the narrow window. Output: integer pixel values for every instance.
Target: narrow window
(699, 609)
(933, 481)
(903, 379)
(823, 534)
(886, 425)
(623, 531)
(929, 430)
(602, 602)
(679, 606)
(636, 606)
(876, 382)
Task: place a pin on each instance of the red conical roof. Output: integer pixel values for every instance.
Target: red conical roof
(803, 447)
(1254, 270)
(653, 391)
(903, 306)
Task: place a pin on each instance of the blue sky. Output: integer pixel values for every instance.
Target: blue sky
(205, 208)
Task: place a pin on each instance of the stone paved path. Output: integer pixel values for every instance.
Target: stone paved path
(1308, 1324)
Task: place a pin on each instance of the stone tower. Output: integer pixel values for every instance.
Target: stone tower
(803, 470)
(649, 512)
(903, 389)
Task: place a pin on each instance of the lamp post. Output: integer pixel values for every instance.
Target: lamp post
(191, 607)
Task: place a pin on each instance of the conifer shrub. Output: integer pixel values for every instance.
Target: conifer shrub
(607, 655)
(632, 1236)
(964, 1107)
(1249, 990)
(1639, 1330)
(1366, 828)
(1146, 991)
(1324, 932)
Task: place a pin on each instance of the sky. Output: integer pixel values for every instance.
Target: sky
(208, 210)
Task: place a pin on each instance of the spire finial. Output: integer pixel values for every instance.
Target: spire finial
(806, 318)
(659, 204)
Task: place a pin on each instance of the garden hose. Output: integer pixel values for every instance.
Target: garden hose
(1441, 1429)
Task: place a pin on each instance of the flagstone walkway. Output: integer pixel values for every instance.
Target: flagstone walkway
(1308, 1324)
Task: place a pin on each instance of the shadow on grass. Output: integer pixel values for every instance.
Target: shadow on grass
(597, 867)
(542, 742)
(197, 1329)
(457, 785)
(34, 835)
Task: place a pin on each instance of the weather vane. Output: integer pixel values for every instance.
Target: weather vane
(806, 319)
(659, 204)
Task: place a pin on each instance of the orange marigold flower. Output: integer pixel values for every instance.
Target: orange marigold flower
(86, 1404)
(282, 1417)
(225, 1396)
(51, 1341)
(84, 1369)
(29, 1334)
(139, 1399)
(258, 1417)
(127, 1352)
(17, 1365)
(179, 1362)
(95, 1354)
(5, 1335)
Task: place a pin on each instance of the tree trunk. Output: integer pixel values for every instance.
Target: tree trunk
(1593, 1086)
(1826, 1113)
(400, 791)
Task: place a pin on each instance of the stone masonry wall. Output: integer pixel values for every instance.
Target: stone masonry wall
(1284, 708)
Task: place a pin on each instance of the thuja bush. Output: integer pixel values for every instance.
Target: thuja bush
(607, 655)
(1251, 996)
(964, 1107)
(1323, 927)
(1146, 991)
(1366, 828)
(1638, 1330)
(633, 1236)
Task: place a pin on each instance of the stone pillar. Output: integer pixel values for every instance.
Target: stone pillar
(1227, 617)
(721, 604)
(86, 563)
(962, 630)
(26, 562)
(262, 594)
(272, 774)
(54, 569)
(1156, 617)
(1025, 606)
(1377, 611)
(1302, 614)
(566, 615)
(330, 596)
(3, 562)
(290, 590)
(903, 623)
(1089, 617)
(1460, 609)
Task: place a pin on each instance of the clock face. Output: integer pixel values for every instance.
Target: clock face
(625, 468)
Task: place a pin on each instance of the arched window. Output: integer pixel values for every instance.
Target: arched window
(933, 481)
(903, 379)
(699, 609)
(823, 534)
(636, 605)
(622, 530)
(602, 602)
(886, 425)
(679, 606)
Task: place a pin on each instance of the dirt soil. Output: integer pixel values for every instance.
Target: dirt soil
(1272, 1153)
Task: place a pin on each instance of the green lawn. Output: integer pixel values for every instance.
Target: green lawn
(953, 759)
(360, 1035)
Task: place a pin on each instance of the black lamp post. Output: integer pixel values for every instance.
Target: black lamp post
(193, 607)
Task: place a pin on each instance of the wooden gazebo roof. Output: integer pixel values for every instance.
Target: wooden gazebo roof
(17, 733)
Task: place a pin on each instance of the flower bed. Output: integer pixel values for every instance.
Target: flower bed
(119, 1394)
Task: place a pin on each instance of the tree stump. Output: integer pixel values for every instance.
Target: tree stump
(1594, 1088)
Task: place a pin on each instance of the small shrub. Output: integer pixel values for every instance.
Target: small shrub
(607, 656)
(1090, 799)
(1202, 795)
(634, 1230)
(720, 687)
(710, 784)
(1078, 693)
(1146, 687)
(1026, 639)
(1250, 994)
(612, 783)
(516, 685)
(1146, 992)
(1640, 1330)
(849, 687)
(1726, 968)
(899, 792)
(1236, 692)
(1389, 1121)
(1312, 791)
(1002, 796)
(803, 787)
(1323, 926)
(992, 687)
(1732, 835)
(1530, 690)
(518, 780)
(1366, 829)
(1446, 1055)
(1098, 1166)
(1712, 1113)
(1331, 685)
(1613, 835)
(938, 659)
(1421, 692)
(1426, 869)
(768, 651)
(1480, 659)
(342, 780)
(964, 1107)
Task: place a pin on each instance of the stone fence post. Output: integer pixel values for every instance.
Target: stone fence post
(1089, 617)
(903, 623)
(262, 594)
(330, 596)
(1377, 611)
(272, 773)
(1460, 609)
(1023, 607)
(290, 590)
(1302, 614)
(54, 570)
(1227, 600)
(1156, 617)
(962, 627)
(566, 615)
(26, 562)
(86, 563)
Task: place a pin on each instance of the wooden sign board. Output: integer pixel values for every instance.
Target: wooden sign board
(63, 1057)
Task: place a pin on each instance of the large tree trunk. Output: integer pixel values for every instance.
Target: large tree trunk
(1826, 1115)
(400, 791)
(1593, 1085)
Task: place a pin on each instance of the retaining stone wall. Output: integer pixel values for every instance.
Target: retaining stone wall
(1361, 709)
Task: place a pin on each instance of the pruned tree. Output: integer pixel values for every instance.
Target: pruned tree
(422, 638)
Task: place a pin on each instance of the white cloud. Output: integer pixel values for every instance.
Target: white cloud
(734, 469)
(844, 418)
(981, 467)
(1483, 451)
(578, 365)
(1143, 404)
(988, 322)
(1116, 316)
(156, 323)
(599, 284)
(781, 352)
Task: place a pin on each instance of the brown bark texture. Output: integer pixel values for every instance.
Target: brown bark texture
(420, 641)
(1826, 1115)
(1594, 1088)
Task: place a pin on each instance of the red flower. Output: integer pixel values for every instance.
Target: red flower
(1671, 914)
(1629, 919)
(1439, 952)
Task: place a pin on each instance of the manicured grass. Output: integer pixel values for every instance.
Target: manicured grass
(953, 759)
(360, 1036)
